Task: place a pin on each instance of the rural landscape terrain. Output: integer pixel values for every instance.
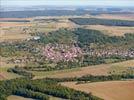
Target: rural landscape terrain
(67, 53)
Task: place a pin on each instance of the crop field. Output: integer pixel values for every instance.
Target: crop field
(117, 16)
(14, 24)
(14, 37)
(111, 30)
(14, 97)
(110, 90)
(103, 69)
(12, 31)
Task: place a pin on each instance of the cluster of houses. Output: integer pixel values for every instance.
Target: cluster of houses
(112, 52)
(61, 52)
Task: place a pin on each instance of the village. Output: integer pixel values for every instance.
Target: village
(63, 52)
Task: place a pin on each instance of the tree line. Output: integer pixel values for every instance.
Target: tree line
(40, 89)
(96, 21)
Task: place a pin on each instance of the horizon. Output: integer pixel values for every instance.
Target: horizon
(112, 3)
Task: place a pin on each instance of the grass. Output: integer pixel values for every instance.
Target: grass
(49, 73)
(55, 98)
(111, 30)
(103, 69)
(117, 69)
(14, 97)
(6, 75)
(110, 60)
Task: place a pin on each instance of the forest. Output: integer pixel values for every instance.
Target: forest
(96, 21)
(83, 37)
(41, 89)
(86, 36)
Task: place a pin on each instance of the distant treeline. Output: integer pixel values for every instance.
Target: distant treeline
(96, 21)
(53, 19)
(24, 14)
(14, 21)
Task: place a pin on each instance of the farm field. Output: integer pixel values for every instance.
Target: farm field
(111, 30)
(117, 16)
(103, 69)
(14, 37)
(14, 97)
(14, 31)
(20, 30)
(110, 90)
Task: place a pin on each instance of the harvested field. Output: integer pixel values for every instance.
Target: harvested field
(102, 69)
(14, 24)
(14, 97)
(111, 30)
(16, 18)
(117, 16)
(12, 31)
(110, 90)
(14, 37)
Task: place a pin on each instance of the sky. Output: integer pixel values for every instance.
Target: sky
(68, 2)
